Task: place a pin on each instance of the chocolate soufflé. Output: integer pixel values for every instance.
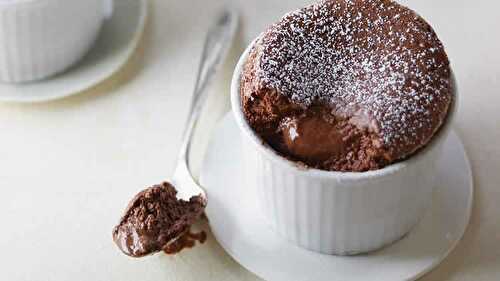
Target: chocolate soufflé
(347, 85)
(156, 220)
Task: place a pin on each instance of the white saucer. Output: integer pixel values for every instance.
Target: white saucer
(117, 41)
(243, 232)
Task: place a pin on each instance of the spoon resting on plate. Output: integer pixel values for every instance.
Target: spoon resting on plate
(159, 218)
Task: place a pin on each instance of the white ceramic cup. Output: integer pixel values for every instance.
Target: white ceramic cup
(342, 213)
(41, 38)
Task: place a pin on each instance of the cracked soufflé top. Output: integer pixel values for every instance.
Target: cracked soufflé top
(347, 85)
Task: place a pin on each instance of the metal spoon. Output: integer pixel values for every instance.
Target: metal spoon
(217, 43)
(148, 225)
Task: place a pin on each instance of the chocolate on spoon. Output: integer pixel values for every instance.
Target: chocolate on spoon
(155, 220)
(160, 217)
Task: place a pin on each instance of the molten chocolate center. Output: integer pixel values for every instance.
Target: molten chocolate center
(312, 138)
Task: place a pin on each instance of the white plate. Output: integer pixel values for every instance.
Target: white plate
(117, 41)
(243, 232)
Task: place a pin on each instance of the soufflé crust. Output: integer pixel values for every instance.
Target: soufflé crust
(347, 85)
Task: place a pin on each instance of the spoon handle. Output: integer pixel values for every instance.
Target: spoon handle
(217, 43)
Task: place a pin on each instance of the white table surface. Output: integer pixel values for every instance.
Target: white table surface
(68, 168)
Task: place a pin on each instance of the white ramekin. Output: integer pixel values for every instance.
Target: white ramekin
(336, 212)
(40, 38)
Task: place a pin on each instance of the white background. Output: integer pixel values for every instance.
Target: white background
(68, 168)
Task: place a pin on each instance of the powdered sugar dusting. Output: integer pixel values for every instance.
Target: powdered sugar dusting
(371, 56)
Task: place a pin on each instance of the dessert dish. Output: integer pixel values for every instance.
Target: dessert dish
(42, 38)
(344, 166)
(347, 85)
(116, 42)
(156, 220)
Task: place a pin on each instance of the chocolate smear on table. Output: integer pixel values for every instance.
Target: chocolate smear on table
(156, 220)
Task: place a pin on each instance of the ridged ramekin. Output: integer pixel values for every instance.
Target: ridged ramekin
(341, 213)
(40, 38)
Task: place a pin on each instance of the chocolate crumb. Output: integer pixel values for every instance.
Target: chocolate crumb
(186, 240)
